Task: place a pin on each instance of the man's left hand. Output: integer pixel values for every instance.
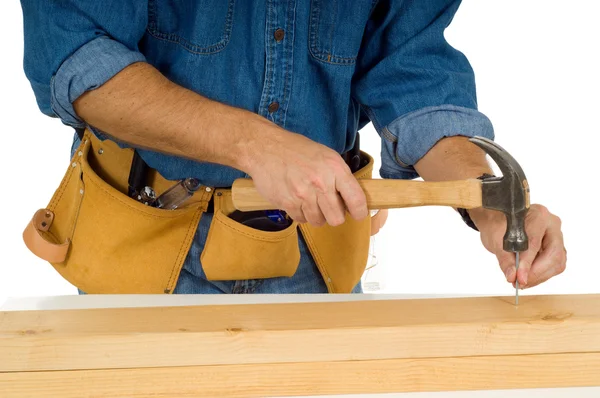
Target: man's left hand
(546, 256)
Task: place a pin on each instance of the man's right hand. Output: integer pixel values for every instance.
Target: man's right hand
(308, 180)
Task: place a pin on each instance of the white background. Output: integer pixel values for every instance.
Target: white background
(538, 78)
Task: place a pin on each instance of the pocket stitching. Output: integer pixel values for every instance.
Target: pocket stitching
(76, 216)
(315, 17)
(187, 44)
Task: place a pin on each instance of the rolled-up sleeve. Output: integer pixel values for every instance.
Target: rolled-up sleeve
(75, 46)
(414, 86)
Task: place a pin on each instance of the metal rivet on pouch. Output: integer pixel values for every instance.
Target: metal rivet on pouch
(219, 193)
(100, 151)
(329, 280)
(208, 189)
(80, 153)
(73, 164)
(81, 191)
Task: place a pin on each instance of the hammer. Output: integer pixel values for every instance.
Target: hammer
(508, 194)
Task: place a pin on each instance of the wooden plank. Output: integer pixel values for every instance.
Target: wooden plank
(304, 332)
(317, 378)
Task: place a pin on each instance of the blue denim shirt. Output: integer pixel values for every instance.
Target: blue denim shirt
(331, 66)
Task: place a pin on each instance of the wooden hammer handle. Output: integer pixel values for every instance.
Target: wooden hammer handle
(383, 194)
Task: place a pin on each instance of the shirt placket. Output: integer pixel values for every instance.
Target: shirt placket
(274, 101)
(279, 51)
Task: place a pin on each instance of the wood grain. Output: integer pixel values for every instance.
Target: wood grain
(383, 194)
(317, 378)
(301, 332)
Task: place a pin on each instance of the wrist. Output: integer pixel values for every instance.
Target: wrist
(258, 138)
(482, 217)
(478, 217)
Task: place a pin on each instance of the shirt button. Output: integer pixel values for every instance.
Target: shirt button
(279, 34)
(273, 107)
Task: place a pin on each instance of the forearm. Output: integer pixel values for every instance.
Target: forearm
(455, 158)
(141, 107)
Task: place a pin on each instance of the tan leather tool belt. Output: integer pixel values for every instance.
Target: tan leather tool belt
(103, 241)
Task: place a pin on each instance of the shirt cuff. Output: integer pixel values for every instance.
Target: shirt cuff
(88, 68)
(408, 138)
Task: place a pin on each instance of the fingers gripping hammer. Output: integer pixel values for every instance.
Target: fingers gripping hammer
(508, 194)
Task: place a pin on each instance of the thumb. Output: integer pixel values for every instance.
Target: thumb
(525, 260)
(378, 220)
(507, 265)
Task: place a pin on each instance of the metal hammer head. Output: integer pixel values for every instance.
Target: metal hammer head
(508, 194)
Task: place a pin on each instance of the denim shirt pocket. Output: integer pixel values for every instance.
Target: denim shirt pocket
(199, 26)
(334, 33)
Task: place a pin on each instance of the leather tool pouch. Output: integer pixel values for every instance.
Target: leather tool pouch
(101, 240)
(234, 251)
(342, 252)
